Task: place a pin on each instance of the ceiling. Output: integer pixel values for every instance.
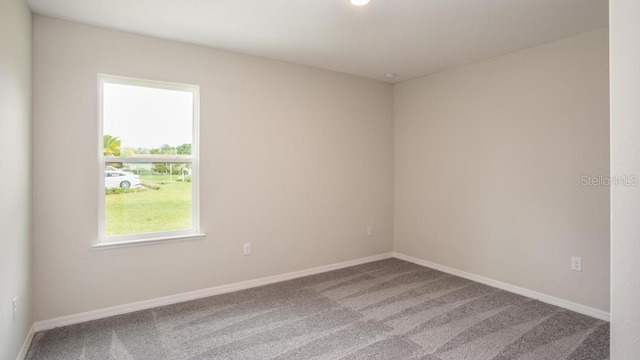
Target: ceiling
(407, 37)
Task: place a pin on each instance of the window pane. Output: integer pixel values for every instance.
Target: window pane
(145, 120)
(146, 125)
(147, 198)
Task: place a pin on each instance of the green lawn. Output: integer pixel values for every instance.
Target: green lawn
(160, 178)
(165, 209)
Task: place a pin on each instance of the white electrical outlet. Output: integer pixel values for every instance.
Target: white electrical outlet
(15, 307)
(369, 230)
(247, 248)
(576, 263)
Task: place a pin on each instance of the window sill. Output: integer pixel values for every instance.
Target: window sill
(120, 244)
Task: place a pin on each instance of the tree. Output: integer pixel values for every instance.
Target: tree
(184, 149)
(167, 150)
(128, 151)
(160, 168)
(111, 145)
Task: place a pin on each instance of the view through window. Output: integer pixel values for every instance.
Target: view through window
(148, 158)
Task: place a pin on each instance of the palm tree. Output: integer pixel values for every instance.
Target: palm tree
(111, 145)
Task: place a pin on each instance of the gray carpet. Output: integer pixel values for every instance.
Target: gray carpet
(389, 309)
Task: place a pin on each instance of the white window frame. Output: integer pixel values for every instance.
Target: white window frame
(163, 236)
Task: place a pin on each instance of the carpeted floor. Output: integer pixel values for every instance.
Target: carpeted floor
(388, 309)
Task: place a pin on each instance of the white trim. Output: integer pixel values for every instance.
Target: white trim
(150, 237)
(187, 159)
(159, 84)
(192, 295)
(27, 342)
(127, 243)
(579, 308)
(127, 240)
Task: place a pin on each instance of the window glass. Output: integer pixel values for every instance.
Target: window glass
(148, 157)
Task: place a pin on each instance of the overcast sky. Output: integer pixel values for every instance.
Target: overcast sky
(147, 117)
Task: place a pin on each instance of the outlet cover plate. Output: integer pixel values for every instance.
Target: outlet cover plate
(576, 263)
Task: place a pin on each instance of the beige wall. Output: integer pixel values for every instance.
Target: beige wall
(489, 160)
(296, 160)
(488, 165)
(625, 161)
(15, 198)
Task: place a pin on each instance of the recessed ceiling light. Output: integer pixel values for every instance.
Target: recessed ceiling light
(389, 76)
(359, 2)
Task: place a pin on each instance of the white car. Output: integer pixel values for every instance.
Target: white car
(120, 179)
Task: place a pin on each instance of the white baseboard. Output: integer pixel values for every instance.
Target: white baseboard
(217, 290)
(192, 295)
(579, 308)
(27, 342)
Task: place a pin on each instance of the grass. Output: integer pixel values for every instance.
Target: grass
(165, 209)
(162, 179)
